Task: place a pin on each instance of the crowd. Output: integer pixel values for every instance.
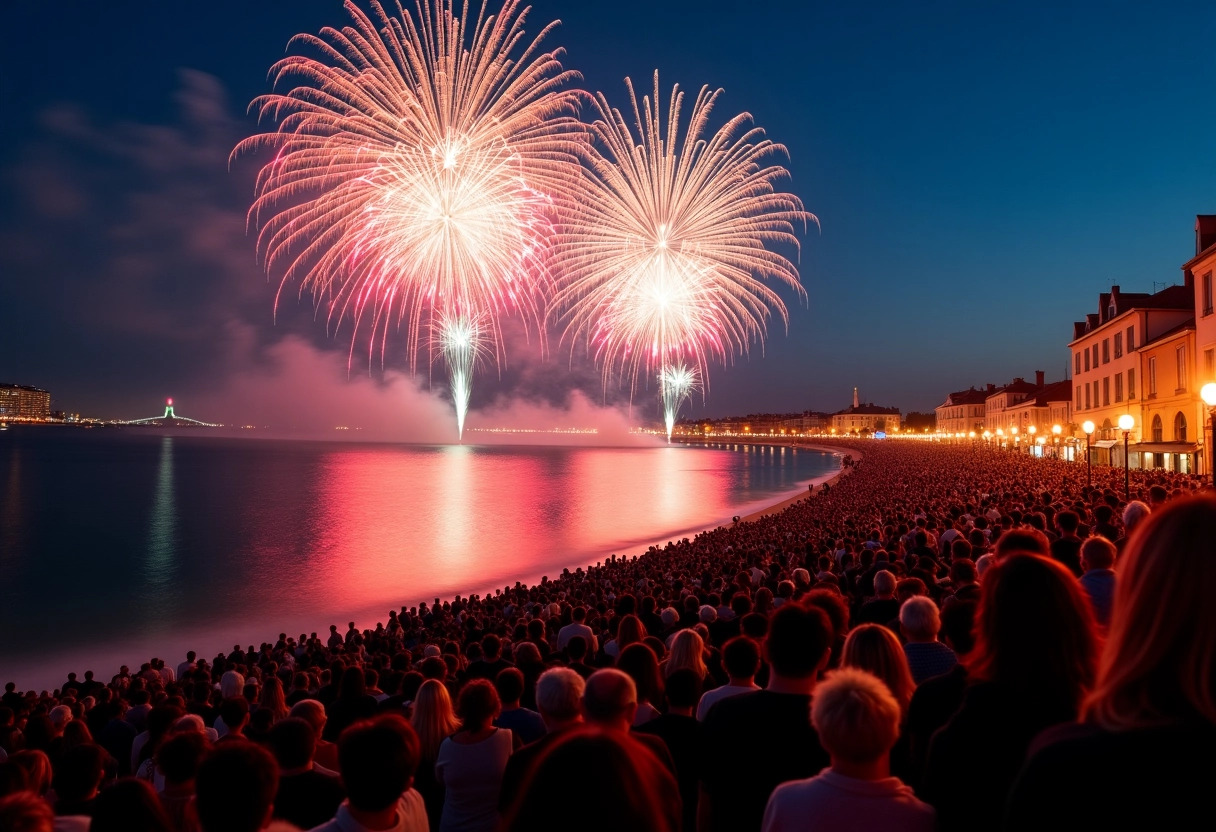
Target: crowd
(947, 638)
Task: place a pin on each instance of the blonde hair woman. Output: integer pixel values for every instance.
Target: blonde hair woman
(874, 648)
(687, 650)
(434, 720)
(1151, 714)
(273, 700)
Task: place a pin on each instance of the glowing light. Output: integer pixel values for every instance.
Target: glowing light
(416, 163)
(663, 259)
(461, 344)
(676, 383)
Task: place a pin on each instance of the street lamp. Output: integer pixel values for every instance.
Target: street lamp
(1041, 441)
(1126, 423)
(1030, 442)
(1208, 394)
(1014, 430)
(1088, 427)
(1055, 430)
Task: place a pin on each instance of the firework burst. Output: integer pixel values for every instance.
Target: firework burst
(663, 256)
(417, 160)
(676, 384)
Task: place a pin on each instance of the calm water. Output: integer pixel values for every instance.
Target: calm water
(117, 546)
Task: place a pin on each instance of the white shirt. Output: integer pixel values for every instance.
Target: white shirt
(411, 817)
(832, 802)
(575, 629)
(712, 697)
(471, 775)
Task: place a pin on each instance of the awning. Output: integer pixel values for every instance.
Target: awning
(1104, 443)
(1166, 447)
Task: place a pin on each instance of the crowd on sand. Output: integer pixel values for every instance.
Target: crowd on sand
(950, 637)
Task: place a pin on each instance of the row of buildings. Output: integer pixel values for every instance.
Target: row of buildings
(857, 420)
(1141, 355)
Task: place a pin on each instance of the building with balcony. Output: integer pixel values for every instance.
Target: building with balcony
(20, 402)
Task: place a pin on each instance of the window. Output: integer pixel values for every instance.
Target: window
(1095, 351)
(1118, 387)
(1131, 338)
(1106, 392)
(1207, 294)
(1078, 397)
(1087, 360)
(1179, 427)
(1105, 350)
(1096, 399)
(1131, 384)
(1180, 358)
(1077, 371)
(1156, 435)
(1209, 363)
(1118, 345)
(1087, 397)
(1152, 377)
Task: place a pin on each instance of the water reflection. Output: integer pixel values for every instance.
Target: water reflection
(12, 510)
(161, 547)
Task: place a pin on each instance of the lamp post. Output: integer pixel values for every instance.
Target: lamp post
(1000, 438)
(1016, 446)
(1055, 430)
(1041, 442)
(1126, 423)
(1031, 440)
(1088, 427)
(1208, 394)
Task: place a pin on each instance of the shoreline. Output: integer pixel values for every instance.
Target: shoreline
(831, 480)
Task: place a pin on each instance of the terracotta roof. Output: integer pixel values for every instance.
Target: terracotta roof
(1057, 391)
(971, 396)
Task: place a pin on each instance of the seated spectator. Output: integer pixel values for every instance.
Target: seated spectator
(741, 660)
(1098, 562)
(920, 622)
(598, 776)
(130, 805)
(1152, 712)
(1034, 659)
(378, 759)
(522, 722)
(235, 788)
(857, 720)
(471, 761)
(762, 739)
(305, 797)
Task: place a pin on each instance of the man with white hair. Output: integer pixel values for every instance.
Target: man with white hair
(883, 608)
(1134, 513)
(559, 699)
(920, 623)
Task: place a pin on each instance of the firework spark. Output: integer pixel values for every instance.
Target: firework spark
(676, 384)
(417, 160)
(663, 257)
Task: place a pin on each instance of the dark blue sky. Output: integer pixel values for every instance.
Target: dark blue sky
(981, 172)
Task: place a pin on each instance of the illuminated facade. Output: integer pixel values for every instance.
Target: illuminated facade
(865, 418)
(20, 402)
(1200, 271)
(963, 412)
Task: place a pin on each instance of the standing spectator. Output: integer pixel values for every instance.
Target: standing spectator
(471, 762)
(641, 664)
(305, 797)
(235, 788)
(681, 733)
(741, 660)
(352, 704)
(130, 805)
(434, 720)
(1152, 713)
(1098, 560)
(920, 622)
(756, 741)
(524, 723)
(178, 759)
(559, 697)
(857, 720)
(1067, 547)
(577, 627)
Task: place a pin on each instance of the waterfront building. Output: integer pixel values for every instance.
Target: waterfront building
(963, 412)
(20, 402)
(1198, 271)
(865, 418)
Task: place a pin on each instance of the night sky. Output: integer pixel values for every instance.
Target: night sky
(981, 171)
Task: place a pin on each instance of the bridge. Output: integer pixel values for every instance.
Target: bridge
(170, 418)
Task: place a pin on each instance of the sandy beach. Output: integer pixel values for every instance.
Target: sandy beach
(777, 508)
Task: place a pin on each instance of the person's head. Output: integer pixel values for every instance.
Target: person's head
(875, 649)
(433, 718)
(559, 697)
(741, 658)
(377, 759)
(510, 686)
(1025, 540)
(1035, 631)
(610, 699)
(178, 758)
(1134, 513)
(919, 620)
(37, 766)
(1067, 522)
(293, 743)
(963, 572)
(491, 647)
(856, 717)
(312, 712)
(884, 584)
(631, 629)
(627, 785)
(232, 684)
(130, 805)
(477, 705)
(353, 684)
(235, 713)
(687, 651)
(26, 812)
(799, 642)
(1097, 553)
(832, 603)
(79, 773)
(235, 788)
(1159, 662)
(576, 648)
(642, 665)
(683, 690)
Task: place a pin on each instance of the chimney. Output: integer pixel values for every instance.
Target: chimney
(1038, 378)
(991, 388)
(855, 405)
(1205, 232)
